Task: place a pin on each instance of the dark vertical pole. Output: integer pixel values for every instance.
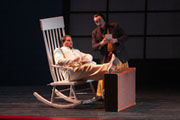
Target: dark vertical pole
(145, 28)
(66, 13)
(107, 14)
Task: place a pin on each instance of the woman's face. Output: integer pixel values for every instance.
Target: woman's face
(99, 21)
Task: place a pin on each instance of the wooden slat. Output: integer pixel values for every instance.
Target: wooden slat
(51, 39)
(54, 38)
(58, 37)
(48, 39)
(63, 31)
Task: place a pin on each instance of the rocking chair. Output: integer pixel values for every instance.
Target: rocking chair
(53, 31)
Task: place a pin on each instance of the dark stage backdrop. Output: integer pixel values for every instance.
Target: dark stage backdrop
(153, 31)
(152, 26)
(23, 55)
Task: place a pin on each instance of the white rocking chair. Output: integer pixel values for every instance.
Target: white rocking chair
(53, 31)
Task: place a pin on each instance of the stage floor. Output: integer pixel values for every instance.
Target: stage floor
(152, 104)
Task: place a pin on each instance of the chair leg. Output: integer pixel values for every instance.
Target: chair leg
(92, 88)
(72, 93)
(53, 94)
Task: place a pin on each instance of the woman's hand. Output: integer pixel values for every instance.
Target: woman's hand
(114, 40)
(104, 42)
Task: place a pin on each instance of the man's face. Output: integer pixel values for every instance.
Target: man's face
(99, 21)
(68, 42)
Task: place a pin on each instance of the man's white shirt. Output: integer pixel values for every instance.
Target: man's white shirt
(69, 54)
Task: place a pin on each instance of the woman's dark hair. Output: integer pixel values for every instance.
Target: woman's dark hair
(100, 14)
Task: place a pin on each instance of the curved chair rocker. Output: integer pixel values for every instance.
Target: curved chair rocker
(53, 31)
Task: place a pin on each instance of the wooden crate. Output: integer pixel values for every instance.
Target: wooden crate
(120, 90)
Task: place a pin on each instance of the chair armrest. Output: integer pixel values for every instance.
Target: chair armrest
(62, 67)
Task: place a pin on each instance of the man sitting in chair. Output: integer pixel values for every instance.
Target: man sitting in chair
(83, 68)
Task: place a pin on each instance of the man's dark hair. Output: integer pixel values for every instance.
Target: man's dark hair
(100, 14)
(63, 39)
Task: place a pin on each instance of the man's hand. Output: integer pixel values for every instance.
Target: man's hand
(75, 62)
(76, 59)
(84, 59)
